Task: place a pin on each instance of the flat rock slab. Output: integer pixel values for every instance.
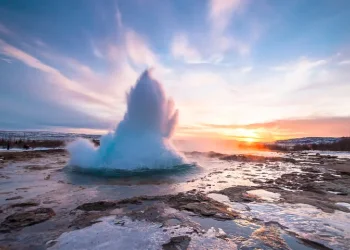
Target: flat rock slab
(98, 206)
(26, 204)
(20, 220)
(201, 205)
(14, 198)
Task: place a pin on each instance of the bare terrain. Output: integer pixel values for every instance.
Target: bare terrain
(269, 200)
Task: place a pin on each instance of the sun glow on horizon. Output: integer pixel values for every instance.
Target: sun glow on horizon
(249, 140)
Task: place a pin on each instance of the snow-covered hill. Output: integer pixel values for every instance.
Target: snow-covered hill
(308, 140)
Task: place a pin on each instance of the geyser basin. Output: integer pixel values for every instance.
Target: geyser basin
(141, 140)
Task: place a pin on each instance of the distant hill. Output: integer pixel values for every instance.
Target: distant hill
(43, 135)
(312, 143)
(308, 141)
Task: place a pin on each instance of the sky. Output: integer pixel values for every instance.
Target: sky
(236, 69)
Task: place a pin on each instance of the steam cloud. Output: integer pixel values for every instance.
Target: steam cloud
(142, 138)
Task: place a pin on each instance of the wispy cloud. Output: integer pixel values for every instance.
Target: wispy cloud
(303, 64)
(93, 60)
(181, 49)
(138, 50)
(221, 13)
(56, 76)
(5, 30)
(246, 69)
(7, 60)
(345, 62)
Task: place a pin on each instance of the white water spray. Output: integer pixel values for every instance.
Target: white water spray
(142, 138)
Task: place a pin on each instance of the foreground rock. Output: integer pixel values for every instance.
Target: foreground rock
(20, 220)
(314, 194)
(201, 205)
(98, 206)
(177, 243)
(25, 204)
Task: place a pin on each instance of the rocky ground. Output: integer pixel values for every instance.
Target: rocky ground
(288, 201)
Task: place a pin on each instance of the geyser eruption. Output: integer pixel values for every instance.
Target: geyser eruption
(141, 139)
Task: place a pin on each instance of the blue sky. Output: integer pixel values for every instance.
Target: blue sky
(233, 67)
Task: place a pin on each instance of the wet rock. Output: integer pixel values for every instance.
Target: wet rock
(4, 176)
(213, 154)
(257, 181)
(215, 172)
(152, 213)
(98, 206)
(246, 197)
(344, 173)
(202, 208)
(85, 219)
(314, 244)
(295, 180)
(17, 221)
(177, 243)
(35, 167)
(172, 222)
(51, 243)
(271, 237)
(201, 205)
(192, 191)
(14, 198)
(25, 204)
(320, 200)
(256, 158)
(328, 177)
(311, 188)
(311, 170)
(238, 193)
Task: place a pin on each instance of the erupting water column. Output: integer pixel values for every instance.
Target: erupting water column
(141, 139)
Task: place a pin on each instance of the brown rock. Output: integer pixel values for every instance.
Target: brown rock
(25, 204)
(17, 221)
(98, 206)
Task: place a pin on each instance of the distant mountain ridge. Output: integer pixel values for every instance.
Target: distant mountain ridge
(44, 135)
(308, 141)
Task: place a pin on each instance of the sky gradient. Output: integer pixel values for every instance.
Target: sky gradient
(240, 69)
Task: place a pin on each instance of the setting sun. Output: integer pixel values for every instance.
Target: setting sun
(249, 140)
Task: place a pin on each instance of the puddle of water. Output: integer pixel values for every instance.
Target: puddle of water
(343, 204)
(295, 243)
(220, 198)
(265, 195)
(329, 229)
(211, 174)
(108, 234)
(242, 229)
(230, 227)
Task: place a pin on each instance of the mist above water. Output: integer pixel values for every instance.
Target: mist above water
(141, 140)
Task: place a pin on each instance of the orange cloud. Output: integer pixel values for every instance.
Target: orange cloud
(274, 130)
